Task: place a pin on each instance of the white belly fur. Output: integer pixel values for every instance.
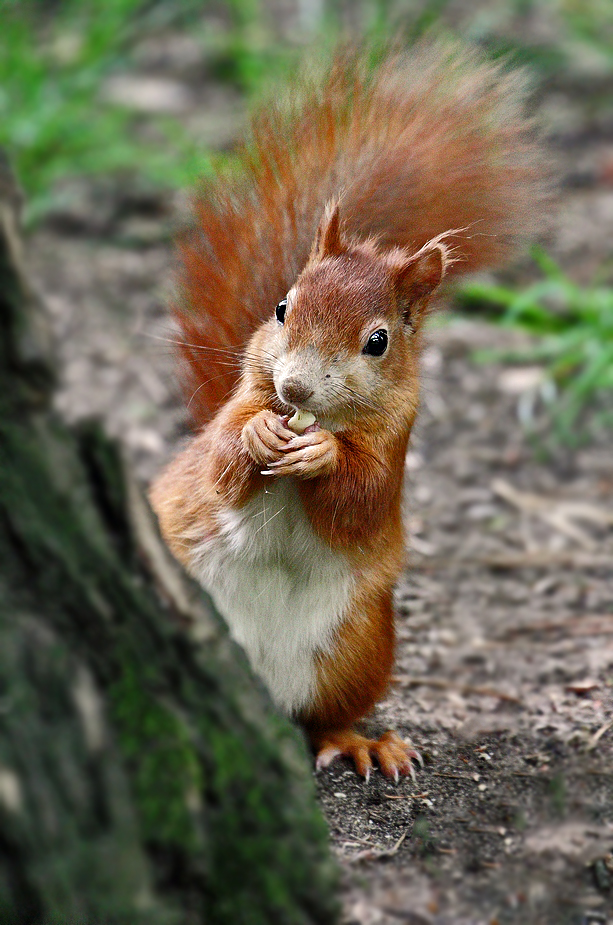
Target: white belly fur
(280, 588)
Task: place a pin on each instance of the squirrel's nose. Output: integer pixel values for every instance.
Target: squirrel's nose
(295, 392)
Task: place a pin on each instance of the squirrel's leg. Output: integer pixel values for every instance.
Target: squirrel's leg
(350, 679)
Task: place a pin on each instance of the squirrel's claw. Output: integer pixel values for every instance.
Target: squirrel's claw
(394, 756)
(306, 456)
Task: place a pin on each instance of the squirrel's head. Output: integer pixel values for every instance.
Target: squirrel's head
(345, 336)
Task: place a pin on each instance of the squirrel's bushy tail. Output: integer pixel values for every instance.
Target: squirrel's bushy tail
(416, 144)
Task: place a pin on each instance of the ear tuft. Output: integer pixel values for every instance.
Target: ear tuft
(328, 240)
(417, 277)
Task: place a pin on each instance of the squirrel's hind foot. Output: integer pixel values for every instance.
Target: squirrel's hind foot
(394, 756)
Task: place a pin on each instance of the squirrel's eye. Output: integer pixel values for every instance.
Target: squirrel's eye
(280, 311)
(376, 345)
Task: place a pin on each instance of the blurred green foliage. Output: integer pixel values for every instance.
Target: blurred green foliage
(54, 58)
(573, 340)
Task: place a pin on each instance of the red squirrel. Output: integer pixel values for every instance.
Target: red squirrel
(305, 279)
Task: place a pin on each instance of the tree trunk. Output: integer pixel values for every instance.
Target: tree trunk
(144, 777)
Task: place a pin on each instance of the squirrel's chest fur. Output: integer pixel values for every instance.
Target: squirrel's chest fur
(282, 590)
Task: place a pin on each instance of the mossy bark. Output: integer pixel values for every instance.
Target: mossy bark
(143, 774)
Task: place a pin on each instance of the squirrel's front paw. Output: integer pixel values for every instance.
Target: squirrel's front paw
(312, 454)
(265, 437)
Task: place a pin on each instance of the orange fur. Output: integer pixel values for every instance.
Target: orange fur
(424, 145)
(424, 142)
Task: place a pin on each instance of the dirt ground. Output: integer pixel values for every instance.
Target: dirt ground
(504, 679)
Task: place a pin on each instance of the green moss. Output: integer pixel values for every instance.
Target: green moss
(252, 831)
(166, 771)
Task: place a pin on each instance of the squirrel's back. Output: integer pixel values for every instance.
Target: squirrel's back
(415, 144)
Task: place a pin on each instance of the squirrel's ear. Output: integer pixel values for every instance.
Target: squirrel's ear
(417, 277)
(328, 240)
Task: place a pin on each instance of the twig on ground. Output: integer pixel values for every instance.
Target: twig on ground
(465, 689)
(558, 513)
(374, 854)
(538, 558)
(452, 776)
(599, 734)
(588, 625)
